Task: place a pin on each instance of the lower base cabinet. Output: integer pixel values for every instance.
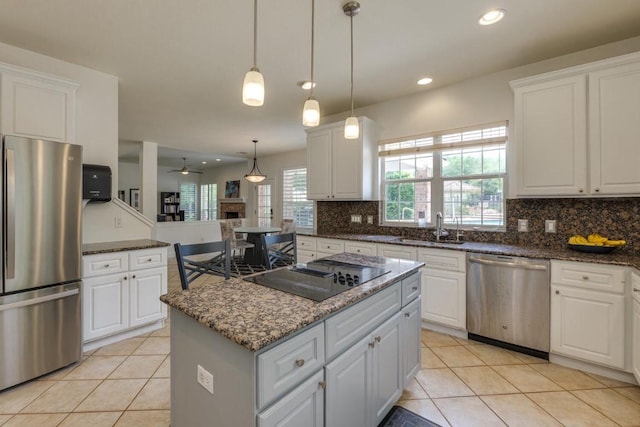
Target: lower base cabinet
(636, 338)
(303, 407)
(445, 300)
(366, 380)
(411, 336)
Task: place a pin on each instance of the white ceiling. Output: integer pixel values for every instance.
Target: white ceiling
(181, 64)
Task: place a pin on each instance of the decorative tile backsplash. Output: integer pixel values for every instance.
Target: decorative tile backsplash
(616, 218)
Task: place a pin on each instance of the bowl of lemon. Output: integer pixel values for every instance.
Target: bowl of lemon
(594, 243)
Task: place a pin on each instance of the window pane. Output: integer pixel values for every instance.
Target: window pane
(265, 212)
(493, 159)
(472, 161)
(451, 163)
(295, 205)
(188, 200)
(392, 167)
(474, 202)
(424, 166)
(208, 202)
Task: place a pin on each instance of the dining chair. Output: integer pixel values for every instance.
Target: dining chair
(227, 233)
(190, 269)
(279, 250)
(287, 226)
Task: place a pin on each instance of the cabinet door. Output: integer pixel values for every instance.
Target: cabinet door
(303, 407)
(37, 107)
(305, 256)
(411, 341)
(614, 126)
(145, 289)
(551, 137)
(346, 165)
(387, 367)
(445, 297)
(636, 339)
(319, 165)
(348, 378)
(362, 248)
(588, 325)
(105, 301)
(396, 251)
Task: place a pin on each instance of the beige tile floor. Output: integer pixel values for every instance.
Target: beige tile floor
(462, 383)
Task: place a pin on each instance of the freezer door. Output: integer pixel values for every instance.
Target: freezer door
(42, 222)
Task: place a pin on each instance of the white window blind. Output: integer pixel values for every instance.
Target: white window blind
(188, 200)
(460, 172)
(295, 205)
(208, 202)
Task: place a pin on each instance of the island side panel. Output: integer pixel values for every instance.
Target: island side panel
(233, 368)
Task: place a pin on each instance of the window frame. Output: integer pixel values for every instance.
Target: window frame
(284, 200)
(437, 180)
(211, 210)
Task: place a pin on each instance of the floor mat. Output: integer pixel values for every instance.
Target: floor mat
(401, 417)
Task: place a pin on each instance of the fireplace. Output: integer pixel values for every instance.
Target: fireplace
(231, 209)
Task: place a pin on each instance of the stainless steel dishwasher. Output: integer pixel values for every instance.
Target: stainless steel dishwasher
(508, 302)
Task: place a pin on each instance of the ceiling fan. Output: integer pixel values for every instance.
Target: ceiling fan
(185, 170)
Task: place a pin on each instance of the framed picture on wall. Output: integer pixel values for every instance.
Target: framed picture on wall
(134, 198)
(232, 190)
(121, 195)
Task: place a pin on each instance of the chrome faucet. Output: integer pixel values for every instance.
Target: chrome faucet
(440, 231)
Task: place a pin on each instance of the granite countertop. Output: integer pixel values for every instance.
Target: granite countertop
(255, 316)
(563, 254)
(121, 246)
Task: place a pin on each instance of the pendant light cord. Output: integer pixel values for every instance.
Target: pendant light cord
(255, 33)
(313, 20)
(351, 21)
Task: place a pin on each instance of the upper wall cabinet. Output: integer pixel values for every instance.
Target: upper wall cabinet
(339, 168)
(576, 130)
(36, 105)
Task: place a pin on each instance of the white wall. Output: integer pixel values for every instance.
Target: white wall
(96, 131)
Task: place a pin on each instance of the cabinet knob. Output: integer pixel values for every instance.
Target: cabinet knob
(557, 292)
(415, 288)
(106, 266)
(149, 260)
(372, 344)
(300, 362)
(581, 190)
(322, 385)
(378, 338)
(636, 290)
(585, 277)
(125, 277)
(407, 315)
(134, 276)
(505, 327)
(597, 190)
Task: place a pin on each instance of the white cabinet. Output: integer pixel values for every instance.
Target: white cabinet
(306, 247)
(36, 105)
(360, 248)
(340, 169)
(635, 341)
(326, 247)
(565, 117)
(411, 325)
(122, 291)
(587, 322)
(366, 380)
(444, 287)
(397, 251)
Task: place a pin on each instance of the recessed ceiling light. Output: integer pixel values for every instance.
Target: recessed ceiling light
(306, 84)
(491, 17)
(204, 163)
(425, 81)
(218, 160)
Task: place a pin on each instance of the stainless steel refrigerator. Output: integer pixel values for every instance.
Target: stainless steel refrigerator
(40, 314)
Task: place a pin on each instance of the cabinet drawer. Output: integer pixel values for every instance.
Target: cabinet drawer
(588, 276)
(330, 246)
(361, 248)
(350, 325)
(147, 258)
(410, 288)
(396, 251)
(288, 364)
(443, 259)
(306, 243)
(306, 256)
(101, 264)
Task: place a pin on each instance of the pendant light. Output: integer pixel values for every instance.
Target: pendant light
(253, 87)
(311, 110)
(351, 126)
(255, 175)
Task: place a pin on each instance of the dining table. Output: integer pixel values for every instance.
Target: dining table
(255, 256)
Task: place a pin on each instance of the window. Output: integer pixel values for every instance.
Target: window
(460, 173)
(294, 198)
(208, 202)
(188, 200)
(263, 206)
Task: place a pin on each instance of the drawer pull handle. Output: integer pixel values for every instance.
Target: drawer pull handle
(372, 344)
(585, 277)
(636, 290)
(378, 338)
(407, 315)
(322, 385)
(300, 362)
(557, 292)
(150, 259)
(106, 266)
(125, 277)
(415, 288)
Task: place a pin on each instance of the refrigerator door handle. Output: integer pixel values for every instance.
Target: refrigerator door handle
(11, 214)
(38, 300)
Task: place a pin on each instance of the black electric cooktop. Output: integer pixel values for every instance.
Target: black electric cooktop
(318, 280)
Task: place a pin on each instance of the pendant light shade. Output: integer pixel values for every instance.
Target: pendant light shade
(351, 125)
(255, 175)
(253, 86)
(311, 110)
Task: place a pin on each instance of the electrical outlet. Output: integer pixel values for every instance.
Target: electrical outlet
(117, 222)
(205, 379)
(550, 226)
(523, 225)
(356, 218)
(369, 219)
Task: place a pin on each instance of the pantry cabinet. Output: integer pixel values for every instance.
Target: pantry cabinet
(576, 130)
(341, 169)
(588, 312)
(36, 105)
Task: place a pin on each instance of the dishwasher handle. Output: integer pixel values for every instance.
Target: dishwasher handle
(508, 264)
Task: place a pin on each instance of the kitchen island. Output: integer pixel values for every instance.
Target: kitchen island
(274, 356)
